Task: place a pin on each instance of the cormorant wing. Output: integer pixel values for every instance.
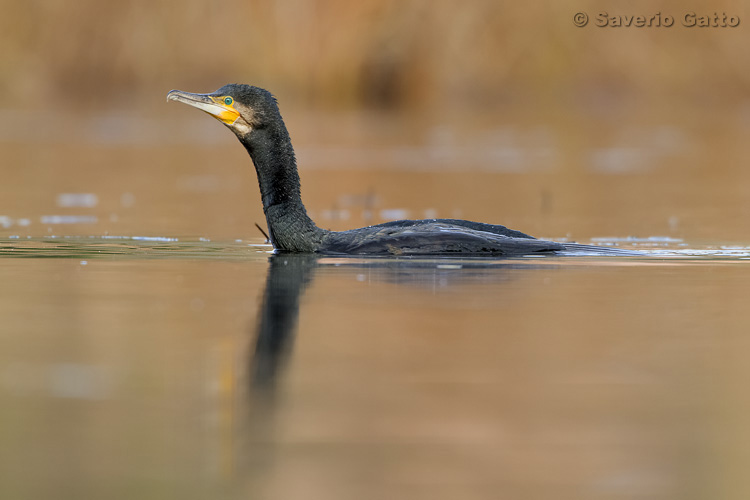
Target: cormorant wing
(431, 238)
(476, 226)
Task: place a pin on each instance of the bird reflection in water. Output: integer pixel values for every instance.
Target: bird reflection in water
(288, 277)
(258, 451)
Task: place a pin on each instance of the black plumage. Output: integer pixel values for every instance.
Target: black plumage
(253, 115)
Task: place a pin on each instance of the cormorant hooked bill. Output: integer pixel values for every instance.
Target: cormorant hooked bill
(253, 115)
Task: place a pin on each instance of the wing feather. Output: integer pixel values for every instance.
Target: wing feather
(431, 238)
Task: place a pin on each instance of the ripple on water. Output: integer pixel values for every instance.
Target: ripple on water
(68, 219)
(113, 246)
(666, 246)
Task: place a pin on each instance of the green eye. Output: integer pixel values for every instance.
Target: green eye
(228, 101)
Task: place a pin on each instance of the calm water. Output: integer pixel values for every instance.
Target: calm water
(152, 347)
(142, 368)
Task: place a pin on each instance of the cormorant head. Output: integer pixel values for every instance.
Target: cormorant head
(240, 107)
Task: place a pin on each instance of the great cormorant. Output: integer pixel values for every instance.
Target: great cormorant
(253, 115)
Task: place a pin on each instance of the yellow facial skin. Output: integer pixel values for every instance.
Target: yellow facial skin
(228, 114)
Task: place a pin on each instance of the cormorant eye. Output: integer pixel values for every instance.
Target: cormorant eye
(228, 101)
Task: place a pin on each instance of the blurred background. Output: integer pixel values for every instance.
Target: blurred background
(125, 366)
(501, 111)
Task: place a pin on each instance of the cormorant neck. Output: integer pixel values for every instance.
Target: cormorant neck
(290, 228)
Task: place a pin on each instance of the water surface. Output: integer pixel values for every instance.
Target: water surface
(179, 368)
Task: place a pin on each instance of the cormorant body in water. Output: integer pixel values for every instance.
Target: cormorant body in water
(253, 115)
